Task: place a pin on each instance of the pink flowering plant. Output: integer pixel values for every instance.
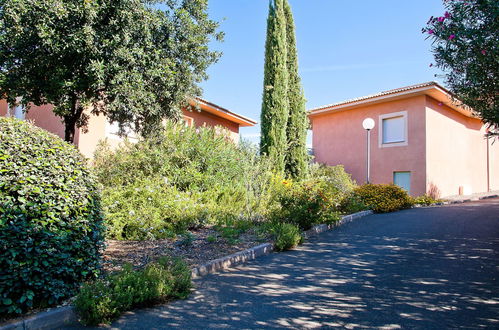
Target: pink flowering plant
(465, 46)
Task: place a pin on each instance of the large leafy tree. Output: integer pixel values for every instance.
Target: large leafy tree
(465, 45)
(134, 61)
(275, 111)
(296, 160)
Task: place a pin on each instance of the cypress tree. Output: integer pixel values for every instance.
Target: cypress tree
(296, 158)
(274, 115)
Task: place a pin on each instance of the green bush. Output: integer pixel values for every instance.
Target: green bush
(181, 179)
(305, 204)
(104, 300)
(425, 200)
(286, 236)
(50, 218)
(150, 209)
(231, 229)
(383, 197)
(335, 177)
(352, 203)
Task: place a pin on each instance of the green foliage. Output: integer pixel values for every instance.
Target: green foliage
(275, 105)
(105, 299)
(296, 160)
(187, 238)
(182, 179)
(283, 119)
(341, 185)
(335, 177)
(286, 235)
(426, 200)
(305, 204)
(465, 46)
(132, 60)
(232, 228)
(352, 204)
(50, 218)
(383, 197)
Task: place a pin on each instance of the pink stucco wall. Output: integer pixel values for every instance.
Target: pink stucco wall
(445, 150)
(202, 118)
(87, 142)
(457, 152)
(41, 116)
(494, 164)
(338, 138)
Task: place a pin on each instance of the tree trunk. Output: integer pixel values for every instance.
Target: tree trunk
(71, 119)
(69, 130)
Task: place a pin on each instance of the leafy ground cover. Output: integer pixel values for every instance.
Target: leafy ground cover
(104, 300)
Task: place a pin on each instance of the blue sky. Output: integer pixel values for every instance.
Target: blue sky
(346, 49)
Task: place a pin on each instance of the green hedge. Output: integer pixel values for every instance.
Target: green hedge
(50, 218)
(383, 197)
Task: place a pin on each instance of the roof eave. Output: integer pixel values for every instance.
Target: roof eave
(435, 91)
(223, 113)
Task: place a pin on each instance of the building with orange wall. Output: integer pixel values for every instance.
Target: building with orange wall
(202, 113)
(422, 141)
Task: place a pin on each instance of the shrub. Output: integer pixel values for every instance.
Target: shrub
(352, 203)
(182, 179)
(335, 177)
(150, 209)
(425, 200)
(305, 204)
(383, 197)
(231, 229)
(286, 236)
(104, 300)
(50, 218)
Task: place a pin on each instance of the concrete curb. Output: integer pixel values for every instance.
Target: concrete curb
(263, 249)
(51, 319)
(64, 316)
(232, 260)
(344, 219)
(464, 200)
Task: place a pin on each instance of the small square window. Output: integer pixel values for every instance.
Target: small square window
(393, 128)
(403, 180)
(188, 121)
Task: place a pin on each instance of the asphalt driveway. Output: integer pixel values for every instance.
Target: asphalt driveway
(425, 268)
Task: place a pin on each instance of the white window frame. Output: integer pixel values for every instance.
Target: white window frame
(188, 121)
(402, 114)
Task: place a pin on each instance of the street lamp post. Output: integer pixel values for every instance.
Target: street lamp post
(368, 125)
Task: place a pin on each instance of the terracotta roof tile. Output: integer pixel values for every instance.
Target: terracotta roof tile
(392, 91)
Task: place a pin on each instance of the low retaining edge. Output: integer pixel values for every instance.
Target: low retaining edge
(64, 316)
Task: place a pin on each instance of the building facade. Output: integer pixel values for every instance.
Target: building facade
(422, 140)
(202, 113)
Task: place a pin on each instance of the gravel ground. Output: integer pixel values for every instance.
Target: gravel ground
(201, 246)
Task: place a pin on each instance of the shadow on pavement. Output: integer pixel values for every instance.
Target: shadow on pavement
(419, 268)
